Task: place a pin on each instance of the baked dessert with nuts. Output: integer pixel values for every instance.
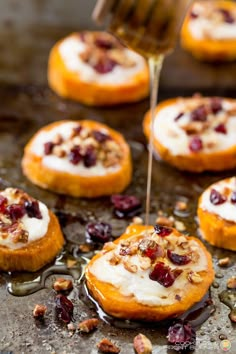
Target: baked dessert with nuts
(209, 30)
(30, 235)
(195, 134)
(78, 158)
(150, 274)
(94, 68)
(216, 214)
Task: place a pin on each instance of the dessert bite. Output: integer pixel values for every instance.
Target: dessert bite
(195, 134)
(96, 69)
(78, 158)
(150, 274)
(209, 30)
(30, 235)
(217, 214)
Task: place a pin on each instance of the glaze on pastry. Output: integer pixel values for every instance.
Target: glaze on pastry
(96, 69)
(217, 214)
(195, 134)
(30, 235)
(78, 158)
(209, 30)
(150, 275)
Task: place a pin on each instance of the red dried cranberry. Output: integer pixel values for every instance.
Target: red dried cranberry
(90, 157)
(3, 204)
(193, 15)
(164, 275)
(99, 231)
(100, 136)
(48, 147)
(233, 197)
(104, 43)
(77, 130)
(104, 65)
(199, 114)
(149, 248)
(216, 197)
(162, 230)
(221, 128)
(32, 209)
(75, 156)
(15, 211)
(182, 336)
(126, 205)
(228, 17)
(64, 308)
(195, 144)
(177, 258)
(216, 105)
(178, 116)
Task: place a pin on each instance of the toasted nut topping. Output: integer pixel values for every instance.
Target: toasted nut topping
(142, 344)
(132, 268)
(137, 220)
(164, 221)
(231, 283)
(224, 262)
(89, 325)
(181, 205)
(62, 284)
(115, 259)
(106, 346)
(39, 311)
(145, 263)
(194, 277)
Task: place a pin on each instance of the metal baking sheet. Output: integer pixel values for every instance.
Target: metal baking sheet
(26, 105)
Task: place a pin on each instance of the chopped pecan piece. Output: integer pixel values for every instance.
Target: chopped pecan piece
(132, 268)
(115, 259)
(39, 311)
(89, 325)
(142, 344)
(62, 284)
(106, 346)
(231, 283)
(194, 277)
(224, 262)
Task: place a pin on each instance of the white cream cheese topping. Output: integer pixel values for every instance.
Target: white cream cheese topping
(170, 134)
(37, 228)
(70, 50)
(202, 27)
(226, 210)
(62, 164)
(139, 285)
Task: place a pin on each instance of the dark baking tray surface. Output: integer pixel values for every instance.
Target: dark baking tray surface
(23, 110)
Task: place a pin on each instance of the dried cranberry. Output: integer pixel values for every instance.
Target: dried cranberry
(104, 65)
(100, 136)
(48, 147)
(3, 204)
(32, 209)
(178, 116)
(216, 197)
(228, 17)
(77, 130)
(195, 144)
(221, 128)
(199, 114)
(90, 157)
(75, 156)
(164, 275)
(193, 15)
(182, 336)
(15, 211)
(216, 105)
(64, 308)
(162, 230)
(126, 205)
(233, 197)
(177, 258)
(99, 231)
(150, 248)
(104, 43)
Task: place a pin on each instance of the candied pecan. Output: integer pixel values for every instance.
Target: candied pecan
(224, 262)
(62, 284)
(39, 311)
(89, 325)
(142, 344)
(106, 346)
